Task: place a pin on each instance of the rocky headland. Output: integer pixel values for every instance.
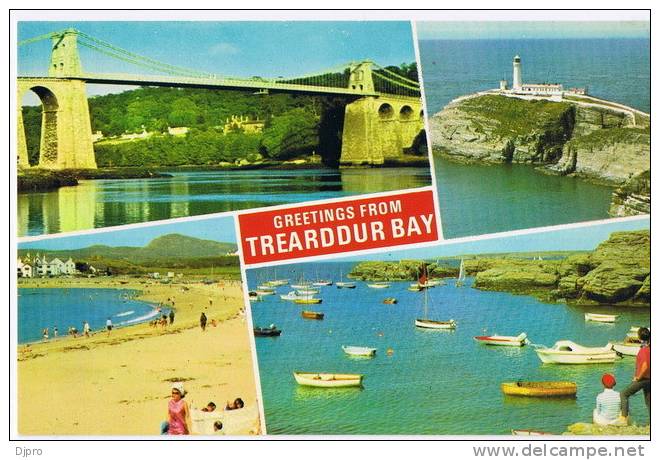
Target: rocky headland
(594, 140)
(617, 272)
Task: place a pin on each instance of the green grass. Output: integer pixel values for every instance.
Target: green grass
(604, 137)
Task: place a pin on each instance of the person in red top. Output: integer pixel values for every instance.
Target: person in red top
(642, 378)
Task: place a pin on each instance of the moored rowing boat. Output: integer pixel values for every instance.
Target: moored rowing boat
(327, 380)
(539, 389)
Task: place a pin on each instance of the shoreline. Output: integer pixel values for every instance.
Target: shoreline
(125, 375)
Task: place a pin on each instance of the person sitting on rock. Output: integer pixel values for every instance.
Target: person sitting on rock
(608, 403)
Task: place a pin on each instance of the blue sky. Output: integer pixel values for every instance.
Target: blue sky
(244, 49)
(570, 239)
(465, 30)
(217, 229)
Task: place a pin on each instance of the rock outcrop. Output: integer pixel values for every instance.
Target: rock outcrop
(616, 272)
(601, 143)
(633, 197)
(589, 429)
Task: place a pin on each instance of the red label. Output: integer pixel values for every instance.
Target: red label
(343, 226)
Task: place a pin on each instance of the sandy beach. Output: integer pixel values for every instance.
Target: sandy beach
(119, 384)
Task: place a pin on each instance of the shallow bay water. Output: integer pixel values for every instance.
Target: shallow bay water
(435, 382)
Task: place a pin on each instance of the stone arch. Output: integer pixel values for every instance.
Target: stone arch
(48, 145)
(406, 113)
(385, 111)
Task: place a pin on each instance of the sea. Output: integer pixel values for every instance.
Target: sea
(106, 203)
(61, 308)
(476, 200)
(434, 382)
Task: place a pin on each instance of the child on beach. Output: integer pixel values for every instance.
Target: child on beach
(86, 329)
(237, 404)
(44, 334)
(608, 403)
(202, 321)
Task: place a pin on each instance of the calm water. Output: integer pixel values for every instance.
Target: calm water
(614, 69)
(436, 382)
(477, 199)
(54, 307)
(104, 203)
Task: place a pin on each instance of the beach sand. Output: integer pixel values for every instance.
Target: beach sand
(119, 384)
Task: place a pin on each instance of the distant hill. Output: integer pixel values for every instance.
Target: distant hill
(170, 247)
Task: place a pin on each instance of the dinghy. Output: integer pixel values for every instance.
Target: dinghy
(307, 300)
(390, 301)
(600, 318)
(341, 284)
(567, 352)
(321, 283)
(312, 314)
(270, 331)
(378, 285)
(326, 380)
(503, 340)
(519, 432)
(364, 352)
(539, 389)
(627, 348)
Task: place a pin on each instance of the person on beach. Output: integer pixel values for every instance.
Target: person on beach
(86, 329)
(642, 378)
(608, 403)
(210, 407)
(178, 414)
(237, 404)
(202, 321)
(171, 317)
(44, 334)
(108, 325)
(55, 332)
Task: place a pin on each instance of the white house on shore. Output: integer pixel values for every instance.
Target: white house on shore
(40, 266)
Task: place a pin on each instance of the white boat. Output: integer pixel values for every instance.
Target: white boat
(290, 296)
(433, 324)
(600, 318)
(265, 287)
(307, 291)
(460, 281)
(341, 284)
(326, 380)
(627, 348)
(276, 283)
(567, 352)
(426, 322)
(433, 283)
(263, 292)
(378, 285)
(503, 340)
(359, 351)
(301, 286)
(321, 283)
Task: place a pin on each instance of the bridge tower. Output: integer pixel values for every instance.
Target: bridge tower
(66, 131)
(377, 128)
(64, 57)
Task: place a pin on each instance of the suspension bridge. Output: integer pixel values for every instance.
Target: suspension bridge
(382, 116)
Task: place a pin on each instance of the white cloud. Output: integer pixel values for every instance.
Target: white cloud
(223, 48)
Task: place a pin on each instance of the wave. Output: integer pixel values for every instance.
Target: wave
(125, 313)
(139, 319)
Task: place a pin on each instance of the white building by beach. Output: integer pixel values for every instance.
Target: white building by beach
(55, 267)
(24, 270)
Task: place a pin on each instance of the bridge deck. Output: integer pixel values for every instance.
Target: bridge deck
(215, 83)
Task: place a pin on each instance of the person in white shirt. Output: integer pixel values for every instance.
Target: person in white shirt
(608, 403)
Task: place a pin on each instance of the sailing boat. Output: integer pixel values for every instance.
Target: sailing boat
(341, 284)
(425, 322)
(460, 281)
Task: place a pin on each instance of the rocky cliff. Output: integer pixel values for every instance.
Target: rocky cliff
(616, 272)
(600, 143)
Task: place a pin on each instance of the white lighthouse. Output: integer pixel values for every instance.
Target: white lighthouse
(517, 74)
